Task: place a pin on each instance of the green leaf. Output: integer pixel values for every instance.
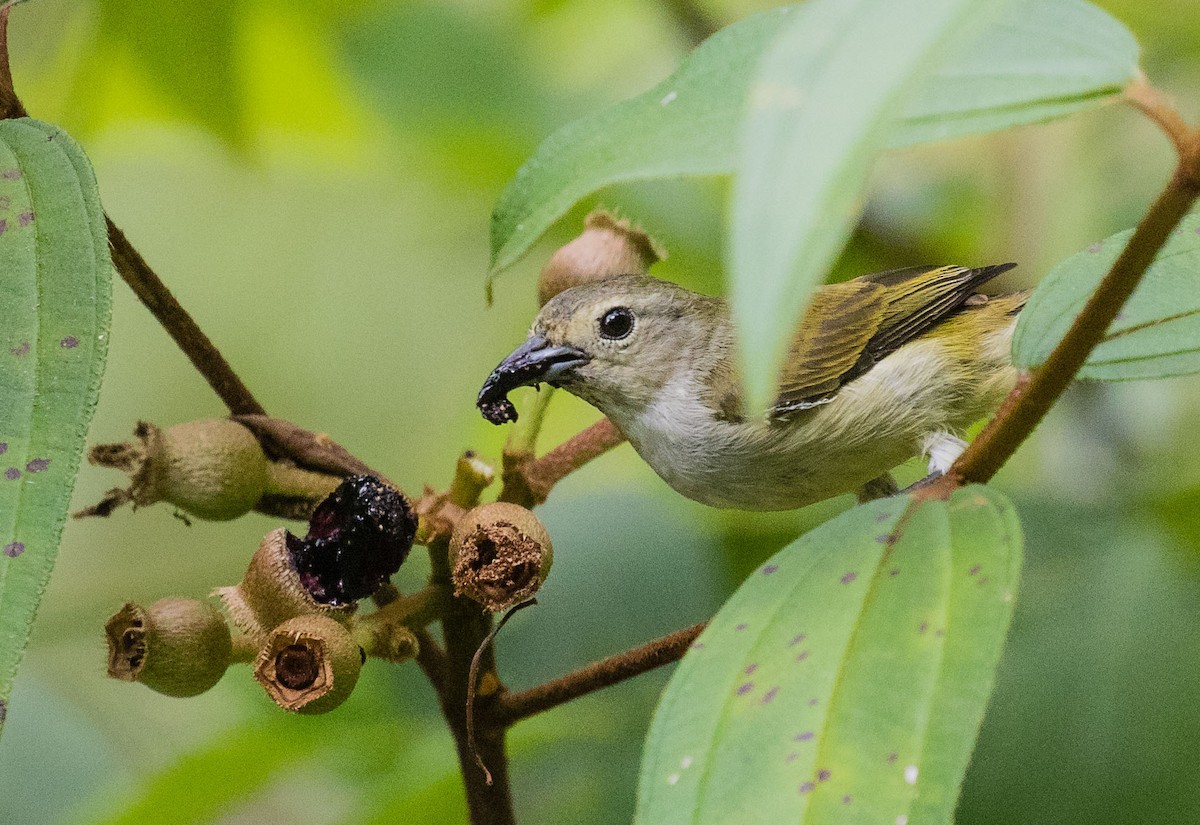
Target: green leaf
(1044, 59)
(55, 305)
(818, 114)
(847, 678)
(1155, 335)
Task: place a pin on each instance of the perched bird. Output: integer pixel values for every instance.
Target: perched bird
(882, 368)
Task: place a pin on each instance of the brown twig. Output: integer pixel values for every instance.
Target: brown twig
(148, 287)
(1035, 393)
(465, 630)
(153, 293)
(1154, 104)
(10, 104)
(431, 659)
(473, 680)
(528, 480)
(312, 451)
(511, 708)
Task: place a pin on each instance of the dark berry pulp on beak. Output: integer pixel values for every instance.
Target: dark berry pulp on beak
(529, 364)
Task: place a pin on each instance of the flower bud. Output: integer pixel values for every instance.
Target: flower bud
(607, 247)
(500, 554)
(309, 664)
(357, 538)
(179, 647)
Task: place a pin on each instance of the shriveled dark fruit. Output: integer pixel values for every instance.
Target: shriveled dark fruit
(357, 539)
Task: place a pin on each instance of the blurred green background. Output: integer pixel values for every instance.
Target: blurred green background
(314, 181)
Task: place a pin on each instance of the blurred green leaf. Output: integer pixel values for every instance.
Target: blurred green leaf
(445, 78)
(189, 51)
(847, 677)
(1093, 719)
(1157, 332)
(55, 310)
(214, 779)
(818, 113)
(1044, 59)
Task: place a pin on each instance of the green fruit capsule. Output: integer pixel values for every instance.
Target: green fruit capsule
(178, 647)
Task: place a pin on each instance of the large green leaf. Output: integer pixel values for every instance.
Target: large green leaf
(1042, 60)
(1157, 332)
(54, 313)
(847, 678)
(818, 115)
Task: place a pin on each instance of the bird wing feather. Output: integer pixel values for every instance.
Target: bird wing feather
(851, 326)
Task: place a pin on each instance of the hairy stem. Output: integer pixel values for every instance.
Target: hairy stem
(153, 293)
(1035, 393)
(510, 708)
(465, 630)
(310, 450)
(528, 480)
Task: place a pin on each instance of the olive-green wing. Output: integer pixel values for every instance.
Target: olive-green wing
(831, 340)
(849, 327)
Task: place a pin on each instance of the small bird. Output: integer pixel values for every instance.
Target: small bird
(881, 368)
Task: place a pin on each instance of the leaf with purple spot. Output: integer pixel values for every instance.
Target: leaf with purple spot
(56, 272)
(880, 715)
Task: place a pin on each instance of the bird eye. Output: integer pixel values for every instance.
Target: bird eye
(616, 324)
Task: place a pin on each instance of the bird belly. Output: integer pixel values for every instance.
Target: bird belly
(874, 423)
(731, 468)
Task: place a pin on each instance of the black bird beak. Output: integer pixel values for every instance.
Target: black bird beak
(531, 363)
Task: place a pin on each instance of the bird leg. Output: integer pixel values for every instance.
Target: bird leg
(881, 487)
(943, 449)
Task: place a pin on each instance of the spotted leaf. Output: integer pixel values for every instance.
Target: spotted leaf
(847, 678)
(1157, 332)
(54, 314)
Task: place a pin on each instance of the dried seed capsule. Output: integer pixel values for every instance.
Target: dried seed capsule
(607, 247)
(500, 555)
(271, 591)
(309, 664)
(213, 469)
(179, 647)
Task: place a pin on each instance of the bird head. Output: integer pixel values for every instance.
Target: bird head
(613, 343)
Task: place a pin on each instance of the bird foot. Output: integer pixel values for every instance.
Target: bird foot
(882, 487)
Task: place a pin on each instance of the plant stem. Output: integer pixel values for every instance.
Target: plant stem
(1035, 393)
(306, 448)
(511, 708)
(148, 287)
(522, 438)
(413, 611)
(10, 104)
(465, 628)
(245, 650)
(528, 480)
(153, 293)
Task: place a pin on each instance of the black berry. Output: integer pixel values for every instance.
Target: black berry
(357, 539)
